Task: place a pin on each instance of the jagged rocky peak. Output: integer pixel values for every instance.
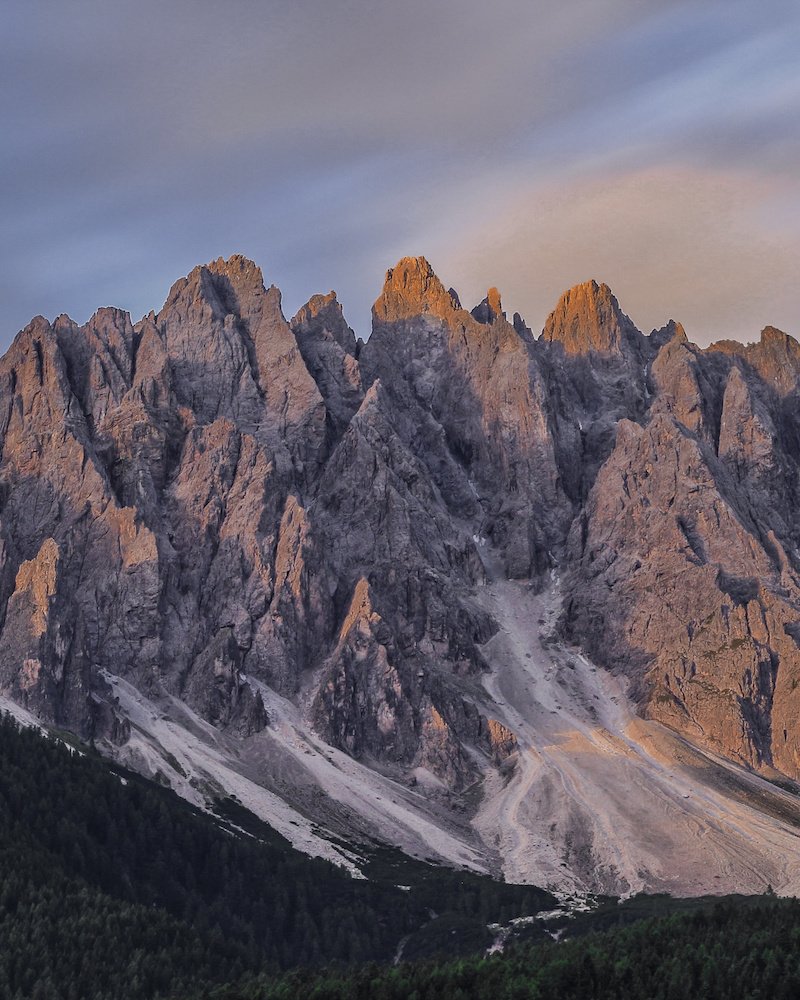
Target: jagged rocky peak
(490, 308)
(776, 339)
(778, 358)
(473, 404)
(411, 287)
(239, 283)
(232, 287)
(588, 319)
(747, 432)
(682, 387)
(322, 317)
(215, 502)
(522, 327)
(672, 331)
(239, 269)
(775, 356)
(674, 349)
(329, 350)
(233, 354)
(243, 275)
(99, 357)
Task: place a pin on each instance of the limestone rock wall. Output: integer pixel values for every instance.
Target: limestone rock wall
(215, 495)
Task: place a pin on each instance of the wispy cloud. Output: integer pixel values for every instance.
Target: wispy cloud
(535, 143)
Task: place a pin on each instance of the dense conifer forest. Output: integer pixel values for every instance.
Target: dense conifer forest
(111, 886)
(742, 950)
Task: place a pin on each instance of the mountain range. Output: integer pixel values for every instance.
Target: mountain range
(525, 605)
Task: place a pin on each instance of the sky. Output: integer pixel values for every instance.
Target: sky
(650, 144)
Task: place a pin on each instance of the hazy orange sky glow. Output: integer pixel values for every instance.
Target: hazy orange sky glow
(651, 144)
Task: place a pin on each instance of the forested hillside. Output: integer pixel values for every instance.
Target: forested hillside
(740, 950)
(111, 886)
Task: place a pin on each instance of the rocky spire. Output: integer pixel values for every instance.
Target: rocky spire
(490, 308)
(328, 346)
(216, 505)
(322, 317)
(588, 319)
(411, 288)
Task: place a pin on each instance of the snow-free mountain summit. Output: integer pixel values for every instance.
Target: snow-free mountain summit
(521, 604)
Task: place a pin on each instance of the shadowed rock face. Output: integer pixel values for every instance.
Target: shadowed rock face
(328, 347)
(216, 495)
(475, 409)
(597, 370)
(200, 499)
(684, 561)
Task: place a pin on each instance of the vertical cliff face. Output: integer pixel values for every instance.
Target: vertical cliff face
(597, 365)
(685, 560)
(197, 500)
(479, 413)
(215, 503)
(329, 348)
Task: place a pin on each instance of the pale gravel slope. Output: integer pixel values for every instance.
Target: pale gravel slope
(306, 790)
(603, 800)
(598, 800)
